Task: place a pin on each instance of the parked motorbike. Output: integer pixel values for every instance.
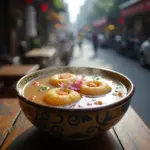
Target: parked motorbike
(144, 53)
(128, 47)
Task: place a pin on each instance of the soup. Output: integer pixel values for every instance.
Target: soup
(78, 91)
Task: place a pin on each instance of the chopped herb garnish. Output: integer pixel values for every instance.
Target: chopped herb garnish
(44, 88)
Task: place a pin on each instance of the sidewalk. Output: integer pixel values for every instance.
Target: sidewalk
(84, 60)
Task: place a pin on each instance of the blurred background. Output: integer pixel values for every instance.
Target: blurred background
(111, 34)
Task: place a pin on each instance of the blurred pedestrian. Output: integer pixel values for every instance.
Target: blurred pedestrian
(80, 40)
(95, 43)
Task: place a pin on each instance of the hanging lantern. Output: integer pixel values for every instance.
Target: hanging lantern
(44, 7)
(121, 20)
(111, 27)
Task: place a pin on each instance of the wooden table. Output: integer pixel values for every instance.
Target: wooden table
(14, 72)
(10, 74)
(42, 52)
(40, 56)
(17, 133)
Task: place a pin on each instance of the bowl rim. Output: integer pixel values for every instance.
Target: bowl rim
(109, 106)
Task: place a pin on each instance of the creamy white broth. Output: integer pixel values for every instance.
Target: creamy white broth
(86, 101)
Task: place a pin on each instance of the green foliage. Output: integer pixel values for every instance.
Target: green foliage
(115, 11)
(99, 9)
(103, 4)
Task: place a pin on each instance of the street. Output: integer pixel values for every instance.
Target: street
(111, 60)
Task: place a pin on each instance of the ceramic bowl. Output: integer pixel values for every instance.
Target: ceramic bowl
(70, 123)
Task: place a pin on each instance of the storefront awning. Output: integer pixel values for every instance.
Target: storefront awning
(137, 8)
(101, 22)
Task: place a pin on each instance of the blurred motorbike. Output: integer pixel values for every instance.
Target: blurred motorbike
(144, 54)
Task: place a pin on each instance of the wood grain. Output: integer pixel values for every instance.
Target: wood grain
(26, 137)
(17, 70)
(21, 125)
(132, 132)
(9, 110)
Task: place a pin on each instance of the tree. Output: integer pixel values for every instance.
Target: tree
(100, 8)
(114, 12)
(103, 4)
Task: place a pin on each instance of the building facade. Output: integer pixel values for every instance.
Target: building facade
(136, 14)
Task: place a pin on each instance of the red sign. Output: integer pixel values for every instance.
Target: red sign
(101, 22)
(28, 1)
(138, 8)
(121, 20)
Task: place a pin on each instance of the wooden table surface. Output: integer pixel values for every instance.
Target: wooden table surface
(44, 52)
(17, 70)
(14, 72)
(17, 133)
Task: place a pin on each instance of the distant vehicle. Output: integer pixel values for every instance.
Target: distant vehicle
(118, 38)
(118, 43)
(121, 45)
(126, 48)
(145, 53)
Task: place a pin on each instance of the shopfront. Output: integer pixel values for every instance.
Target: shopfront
(4, 29)
(137, 18)
(22, 19)
(106, 26)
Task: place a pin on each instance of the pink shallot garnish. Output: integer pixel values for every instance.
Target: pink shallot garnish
(62, 85)
(73, 85)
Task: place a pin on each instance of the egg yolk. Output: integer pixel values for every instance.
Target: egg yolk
(93, 84)
(62, 92)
